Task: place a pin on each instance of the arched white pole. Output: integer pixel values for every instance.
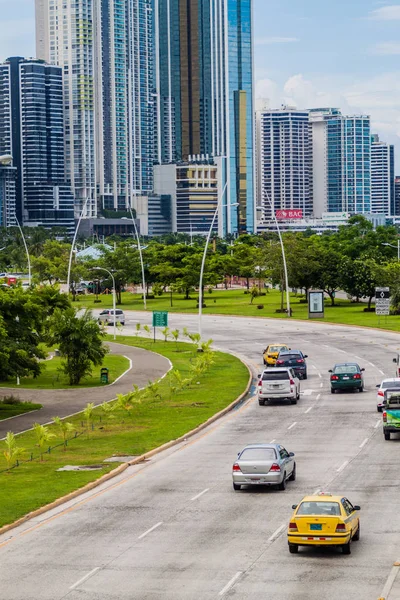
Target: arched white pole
(26, 250)
(114, 293)
(73, 243)
(283, 256)
(141, 259)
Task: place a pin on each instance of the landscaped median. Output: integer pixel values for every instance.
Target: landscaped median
(197, 387)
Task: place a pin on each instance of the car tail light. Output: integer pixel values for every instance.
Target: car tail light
(334, 377)
(291, 382)
(300, 360)
(293, 527)
(260, 383)
(275, 468)
(236, 468)
(384, 416)
(357, 376)
(381, 393)
(340, 527)
(279, 362)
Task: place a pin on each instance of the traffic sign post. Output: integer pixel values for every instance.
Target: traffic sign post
(382, 301)
(160, 319)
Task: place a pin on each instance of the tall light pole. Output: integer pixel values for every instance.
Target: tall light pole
(205, 254)
(393, 246)
(26, 250)
(73, 242)
(141, 258)
(283, 256)
(113, 280)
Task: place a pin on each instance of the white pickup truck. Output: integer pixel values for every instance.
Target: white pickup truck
(279, 383)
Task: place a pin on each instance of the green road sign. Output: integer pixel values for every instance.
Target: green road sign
(160, 318)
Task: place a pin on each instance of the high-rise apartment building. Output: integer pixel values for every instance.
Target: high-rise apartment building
(8, 175)
(382, 178)
(397, 196)
(204, 74)
(31, 131)
(341, 162)
(106, 50)
(284, 161)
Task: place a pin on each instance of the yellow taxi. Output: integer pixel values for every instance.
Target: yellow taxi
(271, 353)
(324, 520)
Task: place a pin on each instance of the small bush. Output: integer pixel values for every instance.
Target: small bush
(369, 310)
(303, 301)
(260, 306)
(246, 292)
(210, 290)
(149, 296)
(10, 400)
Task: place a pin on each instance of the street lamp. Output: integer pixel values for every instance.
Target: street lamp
(283, 256)
(141, 259)
(73, 242)
(205, 253)
(113, 280)
(393, 246)
(26, 250)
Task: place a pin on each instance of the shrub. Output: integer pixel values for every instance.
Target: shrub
(260, 306)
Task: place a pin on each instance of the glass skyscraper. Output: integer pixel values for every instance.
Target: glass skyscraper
(204, 73)
(342, 162)
(31, 114)
(382, 178)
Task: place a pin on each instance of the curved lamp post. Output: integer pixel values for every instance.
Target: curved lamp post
(73, 243)
(141, 258)
(205, 254)
(26, 250)
(393, 246)
(113, 280)
(283, 256)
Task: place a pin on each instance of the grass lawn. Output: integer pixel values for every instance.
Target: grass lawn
(12, 409)
(53, 378)
(151, 423)
(235, 302)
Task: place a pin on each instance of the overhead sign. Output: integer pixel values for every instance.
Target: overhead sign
(335, 216)
(290, 213)
(382, 301)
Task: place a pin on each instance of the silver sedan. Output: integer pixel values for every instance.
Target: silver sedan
(264, 464)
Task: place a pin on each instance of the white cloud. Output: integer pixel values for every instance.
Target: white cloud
(386, 13)
(387, 48)
(275, 40)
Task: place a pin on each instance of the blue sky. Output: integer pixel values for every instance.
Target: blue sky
(343, 53)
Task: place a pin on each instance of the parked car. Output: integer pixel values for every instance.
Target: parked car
(271, 353)
(107, 316)
(391, 413)
(385, 384)
(324, 520)
(294, 359)
(280, 383)
(264, 464)
(347, 376)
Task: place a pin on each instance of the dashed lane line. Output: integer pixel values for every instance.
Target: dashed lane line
(292, 425)
(343, 466)
(201, 494)
(230, 583)
(364, 442)
(85, 578)
(149, 530)
(308, 410)
(276, 533)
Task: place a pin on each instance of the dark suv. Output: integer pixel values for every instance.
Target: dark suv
(294, 359)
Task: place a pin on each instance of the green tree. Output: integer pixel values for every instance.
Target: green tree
(12, 452)
(79, 340)
(64, 428)
(43, 437)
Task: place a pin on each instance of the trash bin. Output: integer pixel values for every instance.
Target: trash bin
(104, 375)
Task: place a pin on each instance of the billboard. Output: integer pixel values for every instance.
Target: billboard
(290, 213)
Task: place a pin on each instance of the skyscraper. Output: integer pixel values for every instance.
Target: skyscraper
(204, 72)
(31, 117)
(284, 154)
(341, 162)
(382, 178)
(8, 175)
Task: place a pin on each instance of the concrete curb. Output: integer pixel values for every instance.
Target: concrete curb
(121, 468)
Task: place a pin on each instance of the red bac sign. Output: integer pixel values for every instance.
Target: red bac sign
(290, 213)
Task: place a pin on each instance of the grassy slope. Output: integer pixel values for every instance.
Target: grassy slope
(151, 423)
(235, 302)
(53, 378)
(12, 410)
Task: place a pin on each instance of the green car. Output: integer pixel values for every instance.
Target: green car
(347, 376)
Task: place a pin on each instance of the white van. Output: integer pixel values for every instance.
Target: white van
(107, 316)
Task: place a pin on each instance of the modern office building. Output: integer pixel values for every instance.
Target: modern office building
(8, 175)
(204, 76)
(341, 162)
(397, 195)
(31, 131)
(382, 178)
(284, 161)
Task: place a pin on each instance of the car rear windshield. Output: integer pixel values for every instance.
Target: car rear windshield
(258, 454)
(390, 384)
(319, 508)
(346, 369)
(275, 349)
(289, 356)
(275, 376)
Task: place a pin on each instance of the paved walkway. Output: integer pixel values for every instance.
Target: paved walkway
(146, 366)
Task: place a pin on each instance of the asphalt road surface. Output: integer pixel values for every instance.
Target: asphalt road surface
(174, 529)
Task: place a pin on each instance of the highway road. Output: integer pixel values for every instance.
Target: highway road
(174, 529)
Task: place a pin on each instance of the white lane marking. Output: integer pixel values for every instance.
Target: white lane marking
(150, 530)
(201, 493)
(272, 441)
(342, 351)
(364, 442)
(292, 425)
(317, 492)
(381, 372)
(358, 357)
(230, 583)
(321, 385)
(343, 466)
(307, 392)
(326, 346)
(308, 410)
(390, 580)
(314, 367)
(92, 572)
(372, 364)
(319, 396)
(377, 424)
(319, 375)
(276, 533)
